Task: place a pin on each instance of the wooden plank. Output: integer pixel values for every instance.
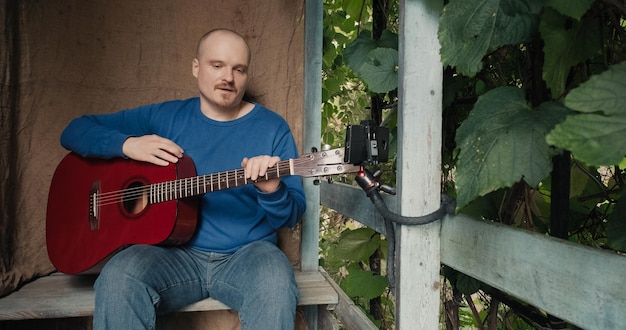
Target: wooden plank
(588, 282)
(582, 285)
(53, 296)
(419, 164)
(352, 202)
(351, 316)
(59, 296)
(325, 319)
(315, 289)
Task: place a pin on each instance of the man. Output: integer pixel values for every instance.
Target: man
(232, 257)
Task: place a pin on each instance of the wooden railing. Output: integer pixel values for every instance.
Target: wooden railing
(579, 284)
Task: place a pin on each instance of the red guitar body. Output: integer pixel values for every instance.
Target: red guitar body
(97, 207)
(82, 235)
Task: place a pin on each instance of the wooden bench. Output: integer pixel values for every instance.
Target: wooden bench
(63, 296)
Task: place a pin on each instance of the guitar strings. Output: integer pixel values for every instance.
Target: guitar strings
(171, 187)
(174, 187)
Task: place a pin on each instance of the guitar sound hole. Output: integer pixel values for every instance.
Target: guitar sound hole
(135, 199)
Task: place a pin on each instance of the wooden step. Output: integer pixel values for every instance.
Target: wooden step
(59, 296)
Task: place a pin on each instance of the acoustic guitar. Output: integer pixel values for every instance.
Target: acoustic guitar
(97, 207)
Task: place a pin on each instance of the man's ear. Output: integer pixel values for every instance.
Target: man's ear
(195, 66)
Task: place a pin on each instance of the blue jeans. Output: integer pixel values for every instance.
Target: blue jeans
(143, 280)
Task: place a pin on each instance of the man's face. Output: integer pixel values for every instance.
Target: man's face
(221, 67)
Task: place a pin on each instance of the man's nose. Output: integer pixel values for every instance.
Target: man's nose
(228, 75)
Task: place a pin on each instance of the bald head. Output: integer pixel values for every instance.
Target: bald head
(207, 39)
(221, 69)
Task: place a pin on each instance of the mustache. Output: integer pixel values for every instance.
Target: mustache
(229, 86)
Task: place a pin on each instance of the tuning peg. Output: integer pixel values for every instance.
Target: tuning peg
(316, 182)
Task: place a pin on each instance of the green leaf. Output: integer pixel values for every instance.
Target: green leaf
(594, 139)
(357, 51)
(566, 47)
(375, 62)
(596, 136)
(467, 284)
(332, 85)
(388, 39)
(605, 92)
(357, 245)
(579, 180)
(503, 141)
(470, 29)
(353, 8)
(574, 9)
(347, 24)
(365, 284)
(380, 71)
(616, 226)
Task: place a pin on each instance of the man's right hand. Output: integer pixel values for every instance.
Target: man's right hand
(152, 149)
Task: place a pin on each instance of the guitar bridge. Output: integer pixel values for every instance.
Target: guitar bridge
(94, 206)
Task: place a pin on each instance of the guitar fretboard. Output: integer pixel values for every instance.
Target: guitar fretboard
(202, 184)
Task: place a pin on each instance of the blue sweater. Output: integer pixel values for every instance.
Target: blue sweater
(229, 218)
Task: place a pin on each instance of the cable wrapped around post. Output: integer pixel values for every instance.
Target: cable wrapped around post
(448, 205)
(367, 181)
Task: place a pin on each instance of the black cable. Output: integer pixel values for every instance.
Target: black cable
(448, 205)
(367, 181)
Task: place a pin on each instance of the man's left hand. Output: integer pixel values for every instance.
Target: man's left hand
(256, 167)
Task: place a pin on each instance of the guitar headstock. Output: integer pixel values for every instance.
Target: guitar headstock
(322, 163)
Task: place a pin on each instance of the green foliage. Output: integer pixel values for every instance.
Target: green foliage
(464, 283)
(596, 135)
(574, 9)
(616, 228)
(503, 141)
(565, 60)
(358, 244)
(470, 29)
(380, 71)
(342, 92)
(364, 284)
(355, 68)
(566, 46)
(524, 81)
(346, 251)
(375, 61)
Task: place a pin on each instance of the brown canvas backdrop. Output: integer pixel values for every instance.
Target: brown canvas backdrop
(64, 58)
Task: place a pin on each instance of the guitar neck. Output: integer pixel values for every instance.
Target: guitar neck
(202, 184)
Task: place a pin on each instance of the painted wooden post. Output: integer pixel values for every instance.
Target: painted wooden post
(311, 138)
(419, 161)
(312, 126)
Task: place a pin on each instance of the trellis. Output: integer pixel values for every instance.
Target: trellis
(582, 285)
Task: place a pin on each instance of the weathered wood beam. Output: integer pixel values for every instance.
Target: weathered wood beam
(352, 202)
(350, 315)
(582, 285)
(61, 296)
(420, 88)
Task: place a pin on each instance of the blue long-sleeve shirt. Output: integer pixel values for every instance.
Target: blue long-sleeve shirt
(229, 218)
